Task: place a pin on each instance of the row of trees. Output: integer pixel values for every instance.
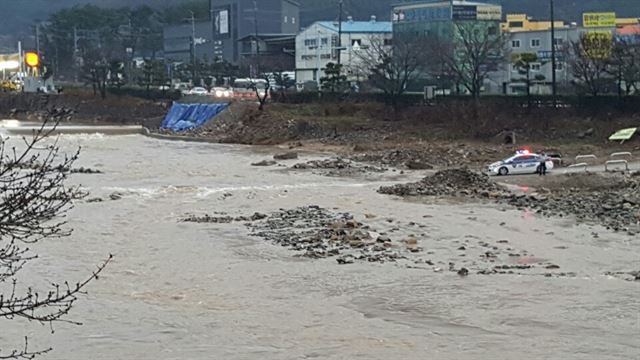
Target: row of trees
(74, 37)
(596, 62)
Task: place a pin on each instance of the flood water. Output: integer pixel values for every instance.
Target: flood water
(210, 291)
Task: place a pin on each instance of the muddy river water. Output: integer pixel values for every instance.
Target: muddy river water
(210, 291)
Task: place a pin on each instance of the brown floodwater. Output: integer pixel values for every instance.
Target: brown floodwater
(210, 291)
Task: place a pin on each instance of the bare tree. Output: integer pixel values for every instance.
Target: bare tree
(392, 67)
(624, 65)
(589, 59)
(523, 62)
(474, 51)
(33, 200)
(267, 68)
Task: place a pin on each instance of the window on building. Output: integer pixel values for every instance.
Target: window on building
(559, 66)
(535, 67)
(558, 41)
(516, 24)
(310, 42)
(324, 41)
(388, 42)
(286, 19)
(293, 20)
(515, 44)
(535, 43)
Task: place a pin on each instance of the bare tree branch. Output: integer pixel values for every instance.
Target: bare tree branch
(33, 201)
(392, 67)
(589, 60)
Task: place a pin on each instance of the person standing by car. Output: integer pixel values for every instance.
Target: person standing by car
(542, 167)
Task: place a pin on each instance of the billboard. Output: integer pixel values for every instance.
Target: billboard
(606, 19)
(221, 23)
(598, 44)
(424, 13)
(489, 13)
(464, 12)
(477, 12)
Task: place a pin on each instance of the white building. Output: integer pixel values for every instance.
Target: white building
(539, 43)
(317, 45)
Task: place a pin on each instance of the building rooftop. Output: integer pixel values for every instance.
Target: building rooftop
(360, 26)
(441, 3)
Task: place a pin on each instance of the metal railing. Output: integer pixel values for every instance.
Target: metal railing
(620, 154)
(582, 165)
(590, 156)
(616, 162)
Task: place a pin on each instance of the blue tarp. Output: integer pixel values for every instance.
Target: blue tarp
(183, 117)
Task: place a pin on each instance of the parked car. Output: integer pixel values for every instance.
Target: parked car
(522, 162)
(222, 92)
(200, 91)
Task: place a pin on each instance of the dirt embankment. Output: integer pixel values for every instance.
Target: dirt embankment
(418, 138)
(81, 107)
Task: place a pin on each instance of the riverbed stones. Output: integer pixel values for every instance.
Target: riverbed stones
(615, 206)
(290, 155)
(451, 182)
(320, 233)
(265, 163)
(337, 167)
(223, 219)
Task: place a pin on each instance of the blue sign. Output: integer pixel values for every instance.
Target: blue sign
(426, 14)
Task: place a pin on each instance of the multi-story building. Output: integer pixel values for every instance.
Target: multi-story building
(521, 22)
(178, 39)
(445, 21)
(538, 42)
(233, 20)
(534, 37)
(317, 45)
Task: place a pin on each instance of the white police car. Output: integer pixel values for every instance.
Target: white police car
(523, 162)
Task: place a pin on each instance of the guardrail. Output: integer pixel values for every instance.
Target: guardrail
(590, 156)
(582, 165)
(620, 154)
(616, 162)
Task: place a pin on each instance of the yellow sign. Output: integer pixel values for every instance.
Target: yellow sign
(598, 44)
(32, 59)
(590, 20)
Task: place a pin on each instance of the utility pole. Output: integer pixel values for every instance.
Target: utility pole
(193, 47)
(340, 32)
(255, 25)
(75, 41)
(38, 38)
(75, 53)
(554, 88)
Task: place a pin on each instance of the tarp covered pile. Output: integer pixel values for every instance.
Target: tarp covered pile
(183, 117)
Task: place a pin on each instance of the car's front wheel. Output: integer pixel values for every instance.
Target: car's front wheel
(503, 171)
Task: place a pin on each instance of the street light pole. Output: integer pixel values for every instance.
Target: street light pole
(340, 33)
(255, 24)
(554, 87)
(193, 46)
